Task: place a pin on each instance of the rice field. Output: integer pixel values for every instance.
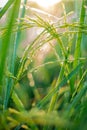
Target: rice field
(43, 60)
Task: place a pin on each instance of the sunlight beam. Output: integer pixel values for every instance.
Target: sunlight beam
(43, 3)
(3, 2)
(46, 3)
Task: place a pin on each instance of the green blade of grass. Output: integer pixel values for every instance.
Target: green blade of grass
(54, 97)
(17, 101)
(79, 85)
(19, 31)
(6, 43)
(77, 53)
(62, 83)
(5, 8)
(79, 38)
(6, 46)
(77, 99)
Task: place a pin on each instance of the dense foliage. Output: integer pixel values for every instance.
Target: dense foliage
(43, 63)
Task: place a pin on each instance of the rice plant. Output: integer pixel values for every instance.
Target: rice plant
(43, 76)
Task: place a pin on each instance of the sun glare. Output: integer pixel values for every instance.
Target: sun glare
(46, 3)
(43, 3)
(3, 2)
